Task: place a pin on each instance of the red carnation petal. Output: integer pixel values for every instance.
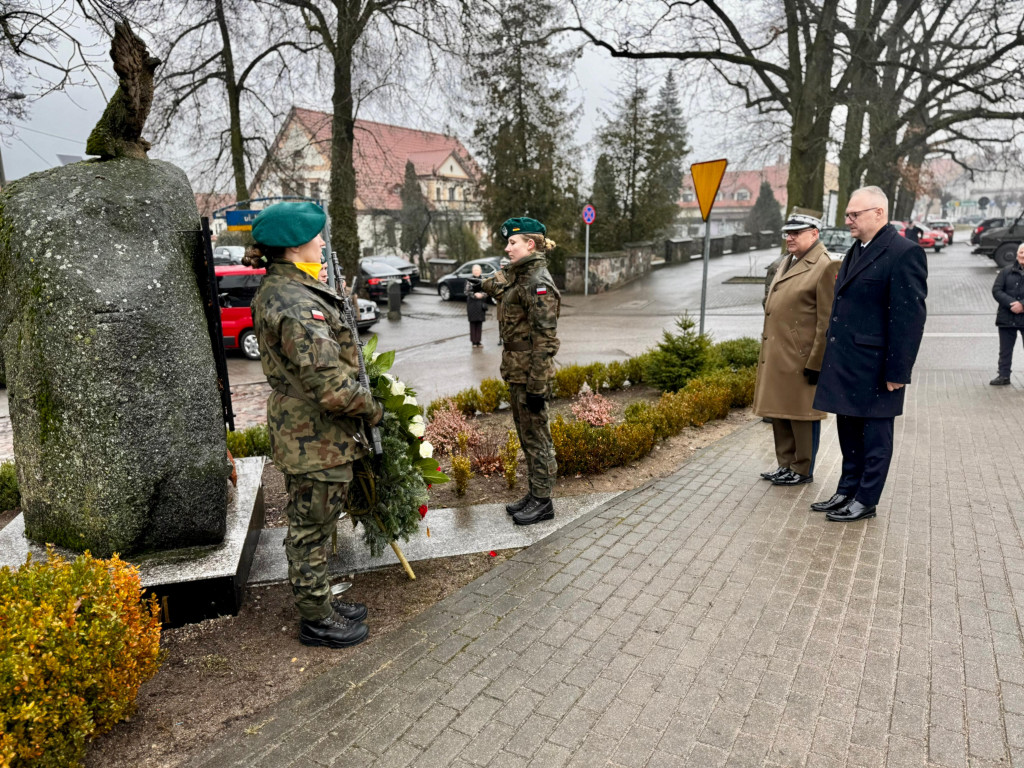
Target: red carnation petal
(493, 553)
(423, 510)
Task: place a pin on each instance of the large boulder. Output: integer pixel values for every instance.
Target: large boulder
(118, 431)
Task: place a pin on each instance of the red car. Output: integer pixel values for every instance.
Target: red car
(236, 285)
(929, 238)
(945, 228)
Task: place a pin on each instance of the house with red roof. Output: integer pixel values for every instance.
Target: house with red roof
(298, 163)
(739, 191)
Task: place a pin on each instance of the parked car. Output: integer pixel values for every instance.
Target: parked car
(228, 254)
(985, 226)
(236, 286)
(375, 276)
(837, 240)
(404, 266)
(453, 285)
(946, 227)
(929, 239)
(1001, 243)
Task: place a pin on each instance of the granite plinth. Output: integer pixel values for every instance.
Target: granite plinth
(460, 531)
(194, 583)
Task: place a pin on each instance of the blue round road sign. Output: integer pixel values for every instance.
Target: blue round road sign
(589, 214)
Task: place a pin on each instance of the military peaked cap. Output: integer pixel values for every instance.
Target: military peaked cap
(288, 225)
(800, 221)
(522, 226)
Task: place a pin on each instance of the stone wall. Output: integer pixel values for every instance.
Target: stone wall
(609, 271)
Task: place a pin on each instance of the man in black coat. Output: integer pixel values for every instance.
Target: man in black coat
(1008, 290)
(874, 335)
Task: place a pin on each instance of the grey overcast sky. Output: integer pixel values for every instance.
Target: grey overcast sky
(59, 123)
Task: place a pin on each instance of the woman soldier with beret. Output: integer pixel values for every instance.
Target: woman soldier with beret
(316, 412)
(527, 323)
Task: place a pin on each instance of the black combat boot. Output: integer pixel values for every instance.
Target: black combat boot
(351, 611)
(518, 506)
(535, 511)
(335, 632)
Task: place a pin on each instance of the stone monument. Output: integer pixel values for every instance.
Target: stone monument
(118, 429)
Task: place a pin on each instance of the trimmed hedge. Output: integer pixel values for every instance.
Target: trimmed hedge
(76, 642)
(251, 441)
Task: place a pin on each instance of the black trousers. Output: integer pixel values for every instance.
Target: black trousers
(1007, 338)
(475, 328)
(867, 452)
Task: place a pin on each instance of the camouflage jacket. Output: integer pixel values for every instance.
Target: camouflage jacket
(527, 320)
(316, 410)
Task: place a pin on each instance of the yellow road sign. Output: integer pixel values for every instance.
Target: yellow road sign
(707, 178)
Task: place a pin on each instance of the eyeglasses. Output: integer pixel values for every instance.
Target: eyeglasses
(852, 215)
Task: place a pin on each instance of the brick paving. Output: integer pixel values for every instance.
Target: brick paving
(708, 619)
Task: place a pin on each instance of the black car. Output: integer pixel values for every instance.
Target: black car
(375, 276)
(453, 285)
(837, 240)
(1001, 242)
(982, 228)
(404, 266)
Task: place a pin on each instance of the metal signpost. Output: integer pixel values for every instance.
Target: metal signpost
(589, 214)
(707, 178)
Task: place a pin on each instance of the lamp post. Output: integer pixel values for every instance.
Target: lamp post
(9, 97)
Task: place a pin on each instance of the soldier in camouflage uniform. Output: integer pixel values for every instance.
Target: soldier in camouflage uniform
(528, 311)
(316, 412)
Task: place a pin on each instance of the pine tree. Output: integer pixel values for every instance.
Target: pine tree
(765, 215)
(415, 215)
(604, 233)
(524, 121)
(645, 148)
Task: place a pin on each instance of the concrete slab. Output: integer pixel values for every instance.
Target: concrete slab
(194, 583)
(459, 531)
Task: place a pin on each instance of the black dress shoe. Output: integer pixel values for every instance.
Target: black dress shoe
(535, 511)
(774, 473)
(351, 611)
(852, 511)
(1000, 381)
(518, 506)
(792, 478)
(838, 501)
(334, 632)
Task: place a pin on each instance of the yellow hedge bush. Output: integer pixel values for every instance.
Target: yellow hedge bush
(492, 393)
(251, 441)
(76, 642)
(569, 380)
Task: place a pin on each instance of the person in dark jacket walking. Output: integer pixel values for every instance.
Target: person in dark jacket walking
(1008, 290)
(476, 306)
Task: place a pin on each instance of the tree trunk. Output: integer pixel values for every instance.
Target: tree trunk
(809, 141)
(234, 109)
(862, 50)
(341, 208)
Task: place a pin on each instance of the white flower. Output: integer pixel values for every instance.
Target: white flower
(410, 400)
(416, 429)
(397, 387)
(426, 450)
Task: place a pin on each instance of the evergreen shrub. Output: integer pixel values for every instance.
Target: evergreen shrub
(616, 375)
(462, 471)
(679, 357)
(510, 459)
(492, 393)
(740, 383)
(635, 367)
(594, 375)
(76, 642)
(251, 441)
(707, 399)
(468, 401)
(736, 353)
(569, 380)
(10, 496)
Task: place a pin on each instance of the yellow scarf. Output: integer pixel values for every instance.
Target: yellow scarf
(311, 268)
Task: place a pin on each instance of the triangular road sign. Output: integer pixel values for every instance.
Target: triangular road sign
(707, 177)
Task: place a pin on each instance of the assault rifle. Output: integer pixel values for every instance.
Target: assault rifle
(350, 319)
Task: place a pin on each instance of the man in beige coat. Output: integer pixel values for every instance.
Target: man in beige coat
(796, 316)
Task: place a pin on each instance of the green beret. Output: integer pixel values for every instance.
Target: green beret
(522, 227)
(288, 225)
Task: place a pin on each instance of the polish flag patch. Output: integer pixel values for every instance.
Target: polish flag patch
(541, 290)
(317, 314)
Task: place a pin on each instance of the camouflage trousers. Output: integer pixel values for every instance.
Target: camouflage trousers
(313, 510)
(535, 438)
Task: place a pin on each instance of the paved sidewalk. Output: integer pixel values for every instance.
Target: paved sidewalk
(709, 619)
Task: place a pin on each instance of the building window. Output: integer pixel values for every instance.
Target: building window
(688, 197)
(314, 190)
(451, 193)
(439, 192)
(742, 194)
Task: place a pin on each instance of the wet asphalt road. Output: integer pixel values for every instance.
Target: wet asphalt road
(435, 356)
